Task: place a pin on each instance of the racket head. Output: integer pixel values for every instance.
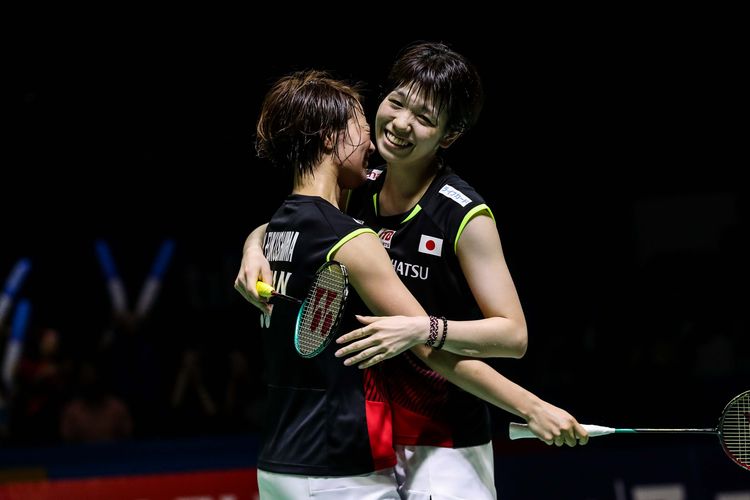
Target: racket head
(734, 429)
(321, 311)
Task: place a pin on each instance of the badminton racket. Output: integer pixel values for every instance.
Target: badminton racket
(733, 430)
(320, 312)
(267, 291)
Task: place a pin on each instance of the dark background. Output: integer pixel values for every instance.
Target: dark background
(611, 160)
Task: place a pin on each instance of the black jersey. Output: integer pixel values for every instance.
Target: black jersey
(322, 418)
(428, 410)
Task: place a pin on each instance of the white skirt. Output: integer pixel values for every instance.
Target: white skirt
(432, 472)
(378, 485)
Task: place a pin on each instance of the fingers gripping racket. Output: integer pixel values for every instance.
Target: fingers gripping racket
(320, 312)
(266, 291)
(733, 430)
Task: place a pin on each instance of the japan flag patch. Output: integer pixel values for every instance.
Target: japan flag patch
(431, 245)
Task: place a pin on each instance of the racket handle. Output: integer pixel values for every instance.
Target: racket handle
(520, 431)
(264, 289)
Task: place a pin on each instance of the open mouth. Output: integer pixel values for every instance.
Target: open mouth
(395, 140)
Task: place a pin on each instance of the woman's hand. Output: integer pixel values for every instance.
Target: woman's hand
(254, 267)
(382, 337)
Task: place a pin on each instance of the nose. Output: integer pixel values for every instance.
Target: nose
(371, 148)
(401, 120)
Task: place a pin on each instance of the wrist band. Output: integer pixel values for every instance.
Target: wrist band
(433, 332)
(445, 333)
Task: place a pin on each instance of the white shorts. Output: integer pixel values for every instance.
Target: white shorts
(378, 485)
(425, 472)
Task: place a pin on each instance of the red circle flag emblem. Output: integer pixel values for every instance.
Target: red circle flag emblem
(431, 245)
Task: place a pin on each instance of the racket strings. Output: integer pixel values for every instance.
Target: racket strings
(321, 311)
(735, 429)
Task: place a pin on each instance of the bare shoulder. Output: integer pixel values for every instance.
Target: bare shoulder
(360, 250)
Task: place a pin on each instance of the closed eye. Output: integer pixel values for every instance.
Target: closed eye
(396, 103)
(426, 120)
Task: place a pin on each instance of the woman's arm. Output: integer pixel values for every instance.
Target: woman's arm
(384, 293)
(551, 424)
(501, 333)
(254, 267)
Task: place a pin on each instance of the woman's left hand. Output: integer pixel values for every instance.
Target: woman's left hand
(381, 337)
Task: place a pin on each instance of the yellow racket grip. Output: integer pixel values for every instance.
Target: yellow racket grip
(264, 289)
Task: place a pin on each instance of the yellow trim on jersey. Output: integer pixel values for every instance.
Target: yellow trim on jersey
(414, 211)
(478, 210)
(346, 238)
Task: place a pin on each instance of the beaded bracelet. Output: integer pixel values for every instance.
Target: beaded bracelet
(445, 333)
(433, 332)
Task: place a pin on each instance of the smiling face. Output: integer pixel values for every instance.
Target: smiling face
(409, 129)
(435, 95)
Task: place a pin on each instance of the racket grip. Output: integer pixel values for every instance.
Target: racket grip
(264, 289)
(520, 431)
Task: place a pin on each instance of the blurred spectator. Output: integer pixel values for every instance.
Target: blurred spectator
(94, 414)
(242, 406)
(193, 407)
(42, 380)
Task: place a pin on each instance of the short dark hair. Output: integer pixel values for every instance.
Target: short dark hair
(299, 112)
(447, 79)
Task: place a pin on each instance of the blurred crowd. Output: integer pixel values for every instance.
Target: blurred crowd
(92, 369)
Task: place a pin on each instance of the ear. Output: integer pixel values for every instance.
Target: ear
(449, 139)
(328, 143)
